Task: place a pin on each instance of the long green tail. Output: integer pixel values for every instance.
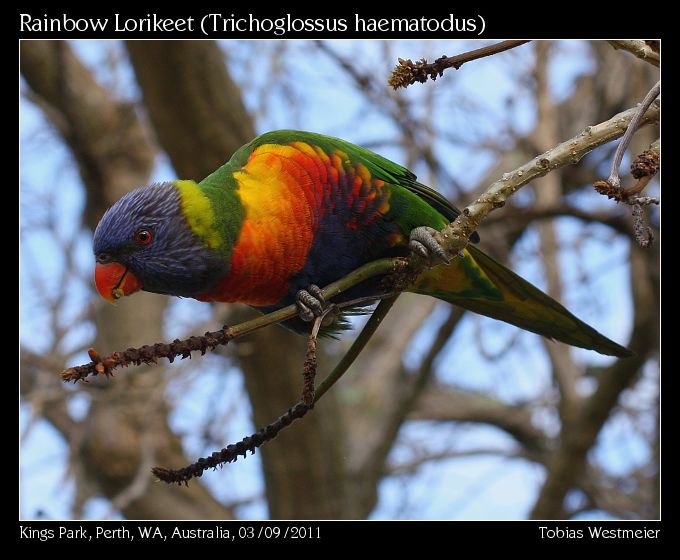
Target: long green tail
(480, 284)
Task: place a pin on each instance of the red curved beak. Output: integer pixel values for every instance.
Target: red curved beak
(113, 281)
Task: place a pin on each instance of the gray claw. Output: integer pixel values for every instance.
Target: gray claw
(304, 312)
(314, 290)
(423, 243)
(310, 303)
(418, 248)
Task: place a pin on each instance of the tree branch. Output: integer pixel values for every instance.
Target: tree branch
(448, 404)
(640, 49)
(408, 392)
(105, 136)
(455, 236)
(524, 216)
(407, 72)
(196, 109)
(231, 452)
(411, 466)
(643, 169)
(614, 180)
(397, 107)
(356, 348)
(548, 193)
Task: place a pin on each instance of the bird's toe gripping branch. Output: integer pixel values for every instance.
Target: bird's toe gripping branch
(312, 304)
(423, 243)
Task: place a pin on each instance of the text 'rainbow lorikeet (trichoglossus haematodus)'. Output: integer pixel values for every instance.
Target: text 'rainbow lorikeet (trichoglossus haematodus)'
(293, 210)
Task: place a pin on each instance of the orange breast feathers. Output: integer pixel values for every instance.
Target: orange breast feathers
(282, 189)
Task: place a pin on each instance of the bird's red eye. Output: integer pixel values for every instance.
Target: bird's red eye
(143, 237)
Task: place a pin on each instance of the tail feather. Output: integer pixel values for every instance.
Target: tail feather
(480, 284)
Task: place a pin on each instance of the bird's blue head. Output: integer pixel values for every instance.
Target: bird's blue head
(145, 242)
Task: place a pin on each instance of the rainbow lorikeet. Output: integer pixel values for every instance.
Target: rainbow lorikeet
(292, 210)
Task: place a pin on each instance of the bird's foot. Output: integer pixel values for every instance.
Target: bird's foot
(423, 243)
(311, 304)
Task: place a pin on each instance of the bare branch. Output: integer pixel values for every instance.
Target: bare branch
(643, 168)
(409, 467)
(444, 403)
(230, 453)
(645, 200)
(105, 136)
(614, 180)
(408, 72)
(548, 192)
(397, 107)
(455, 236)
(524, 216)
(408, 392)
(196, 109)
(641, 49)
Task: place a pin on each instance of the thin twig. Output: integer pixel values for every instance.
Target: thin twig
(309, 367)
(641, 49)
(643, 168)
(644, 200)
(231, 452)
(614, 179)
(408, 72)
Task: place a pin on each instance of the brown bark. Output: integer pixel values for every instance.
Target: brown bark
(195, 107)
